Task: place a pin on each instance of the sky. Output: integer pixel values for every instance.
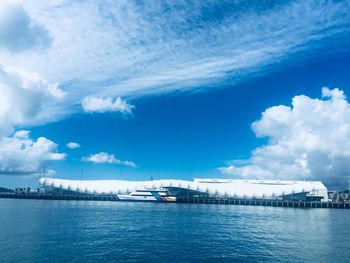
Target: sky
(134, 90)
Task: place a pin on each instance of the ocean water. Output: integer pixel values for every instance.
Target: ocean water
(84, 231)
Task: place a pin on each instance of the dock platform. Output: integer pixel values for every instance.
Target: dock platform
(263, 202)
(190, 200)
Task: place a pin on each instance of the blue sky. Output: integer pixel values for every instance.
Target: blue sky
(172, 90)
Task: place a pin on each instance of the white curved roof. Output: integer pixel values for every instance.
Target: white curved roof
(224, 188)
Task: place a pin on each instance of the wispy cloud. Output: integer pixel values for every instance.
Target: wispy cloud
(129, 48)
(18, 31)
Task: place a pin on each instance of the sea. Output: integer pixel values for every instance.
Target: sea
(95, 231)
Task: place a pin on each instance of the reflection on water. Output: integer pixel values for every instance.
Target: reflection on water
(77, 231)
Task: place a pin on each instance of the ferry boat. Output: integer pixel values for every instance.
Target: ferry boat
(148, 195)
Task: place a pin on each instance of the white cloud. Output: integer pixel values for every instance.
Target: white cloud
(103, 157)
(18, 32)
(310, 139)
(25, 99)
(129, 48)
(19, 154)
(101, 105)
(23, 134)
(73, 145)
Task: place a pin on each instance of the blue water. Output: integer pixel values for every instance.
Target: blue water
(82, 231)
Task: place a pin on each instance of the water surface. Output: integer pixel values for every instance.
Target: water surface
(88, 231)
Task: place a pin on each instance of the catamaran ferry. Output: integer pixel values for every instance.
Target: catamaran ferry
(148, 195)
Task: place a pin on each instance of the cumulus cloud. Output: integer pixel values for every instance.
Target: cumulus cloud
(21, 155)
(26, 98)
(73, 145)
(18, 31)
(103, 157)
(308, 140)
(101, 105)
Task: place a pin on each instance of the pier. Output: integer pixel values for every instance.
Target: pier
(61, 197)
(263, 202)
(190, 200)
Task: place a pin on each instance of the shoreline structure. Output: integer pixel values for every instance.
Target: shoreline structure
(203, 188)
(304, 194)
